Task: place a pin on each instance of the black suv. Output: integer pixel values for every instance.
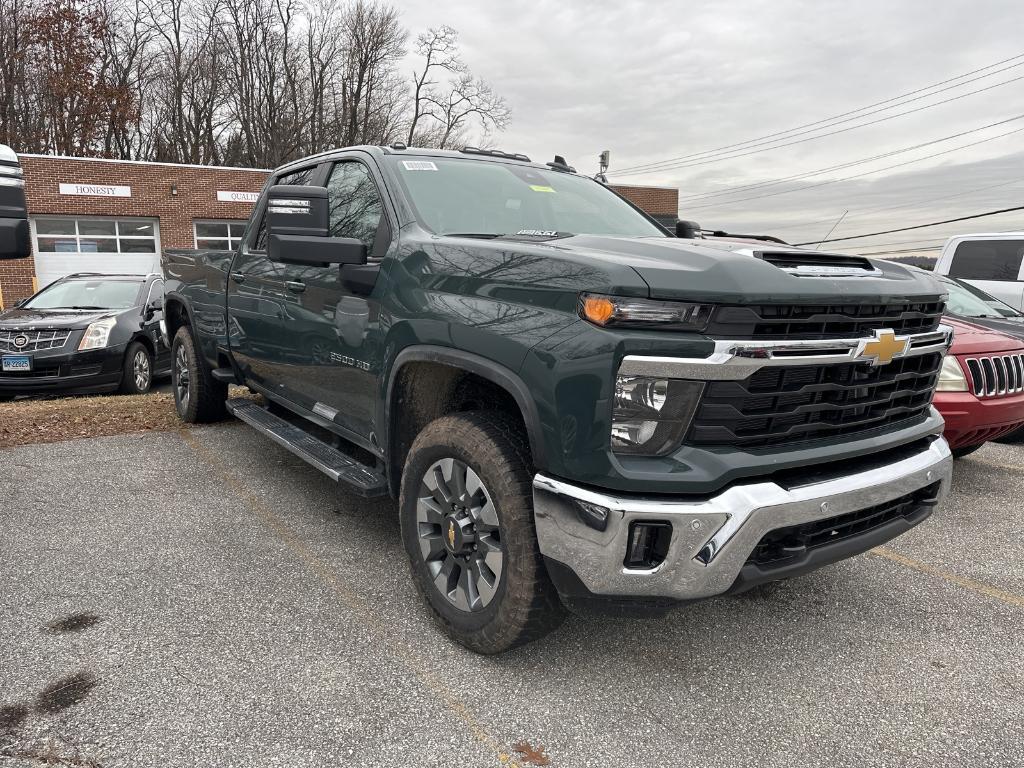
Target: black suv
(83, 334)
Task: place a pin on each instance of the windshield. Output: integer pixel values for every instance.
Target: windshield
(87, 294)
(967, 303)
(1003, 309)
(474, 197)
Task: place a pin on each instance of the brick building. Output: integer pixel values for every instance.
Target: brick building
(91, 215)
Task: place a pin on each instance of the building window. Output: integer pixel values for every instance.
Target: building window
(219, 235)
(81, 235)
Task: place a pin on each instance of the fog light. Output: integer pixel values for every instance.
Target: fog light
(648, 544)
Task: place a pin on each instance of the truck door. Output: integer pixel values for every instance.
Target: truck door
(260, 302)
(335, 324)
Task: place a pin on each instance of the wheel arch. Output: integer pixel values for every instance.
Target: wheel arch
(458, 367)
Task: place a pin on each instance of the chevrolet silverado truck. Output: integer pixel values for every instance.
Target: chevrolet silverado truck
(574, 408)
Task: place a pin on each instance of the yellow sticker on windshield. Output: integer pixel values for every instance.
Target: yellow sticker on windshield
(541, 188)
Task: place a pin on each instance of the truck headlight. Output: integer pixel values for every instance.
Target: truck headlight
(951, 377)
(617, 311)
(652, 415)
(97, 334)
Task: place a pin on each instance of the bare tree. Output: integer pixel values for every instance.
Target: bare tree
(468, 100)
(439, 48)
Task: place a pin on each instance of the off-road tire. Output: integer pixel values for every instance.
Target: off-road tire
(525, 606)
(1012, 438)
(959, 453)
(205, 398)
(129, 384)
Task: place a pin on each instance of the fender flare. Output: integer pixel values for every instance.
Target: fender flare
(483, 367)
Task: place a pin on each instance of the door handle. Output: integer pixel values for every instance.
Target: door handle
(295, 286)
(238, 277)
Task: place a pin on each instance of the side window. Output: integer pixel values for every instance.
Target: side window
(987, 259)
(298, 178)
(355, 204)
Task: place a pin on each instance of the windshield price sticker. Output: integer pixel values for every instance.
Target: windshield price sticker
(419, 165)
(541, 188)
(537, 233)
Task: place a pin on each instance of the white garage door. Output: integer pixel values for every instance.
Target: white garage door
(64, 245)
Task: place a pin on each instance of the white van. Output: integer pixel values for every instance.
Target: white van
(994, 262)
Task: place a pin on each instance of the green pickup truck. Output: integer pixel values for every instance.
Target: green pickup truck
(575, 408)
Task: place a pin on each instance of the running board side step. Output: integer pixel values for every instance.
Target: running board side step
(333, 463)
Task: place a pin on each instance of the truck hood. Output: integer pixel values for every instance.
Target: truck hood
(730, 272)
(52, 318)
(970, 339)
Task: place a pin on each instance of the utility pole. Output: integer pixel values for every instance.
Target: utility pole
(603, 162)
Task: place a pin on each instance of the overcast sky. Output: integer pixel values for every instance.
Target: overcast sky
(652, 81)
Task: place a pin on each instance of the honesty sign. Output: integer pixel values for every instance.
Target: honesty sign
(225, 196)
(96, 190)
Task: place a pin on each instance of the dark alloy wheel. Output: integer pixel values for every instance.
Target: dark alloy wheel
(459, 534)
(137, 377)
(181, 378)
(466, 510)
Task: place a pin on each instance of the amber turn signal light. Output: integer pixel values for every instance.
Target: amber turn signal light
(598, 309)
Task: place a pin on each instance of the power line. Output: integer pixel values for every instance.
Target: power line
(917, 226)
(866, 211)
(760, 185)
(823, 135)
(908, 250)
(854, 112)
(855, 176)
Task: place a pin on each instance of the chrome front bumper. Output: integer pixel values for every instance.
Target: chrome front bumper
(712, 537)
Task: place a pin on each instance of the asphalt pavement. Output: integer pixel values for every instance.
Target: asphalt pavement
(205, 599)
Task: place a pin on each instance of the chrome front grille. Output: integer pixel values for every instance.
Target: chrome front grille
(996, 375)
(15, 340)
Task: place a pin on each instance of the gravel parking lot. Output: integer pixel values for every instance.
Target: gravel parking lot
(203, 598)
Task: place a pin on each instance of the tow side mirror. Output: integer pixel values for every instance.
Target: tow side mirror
(298, 229)
(688, 229)
(15, 242)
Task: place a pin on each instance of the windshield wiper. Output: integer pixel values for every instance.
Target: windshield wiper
(480, 235)
(84, 307)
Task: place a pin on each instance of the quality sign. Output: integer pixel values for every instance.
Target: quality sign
(226, 196)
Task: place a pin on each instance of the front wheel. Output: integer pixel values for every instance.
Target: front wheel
(137, 376)
(198, 397)
(959, 453)
(466, 510)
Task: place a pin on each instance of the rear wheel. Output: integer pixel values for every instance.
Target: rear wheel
(198, 397)
(959, 453)
(466, 511)
(137, 374)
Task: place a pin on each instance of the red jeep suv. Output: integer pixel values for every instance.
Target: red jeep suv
(981, 386)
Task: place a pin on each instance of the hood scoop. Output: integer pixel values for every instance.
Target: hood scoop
(815, 264)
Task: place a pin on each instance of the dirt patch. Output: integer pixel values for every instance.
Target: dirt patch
(66, 692)
(76, 622)
(51, 421)
(12, 715)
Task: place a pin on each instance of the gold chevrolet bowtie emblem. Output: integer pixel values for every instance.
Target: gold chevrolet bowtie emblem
(882, 349)
(451, 534)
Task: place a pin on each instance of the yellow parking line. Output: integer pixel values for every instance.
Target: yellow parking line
(351, 599)
(975, 586)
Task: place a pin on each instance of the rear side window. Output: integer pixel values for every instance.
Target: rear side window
(987, 259)
(299, 178)
(355, 205)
